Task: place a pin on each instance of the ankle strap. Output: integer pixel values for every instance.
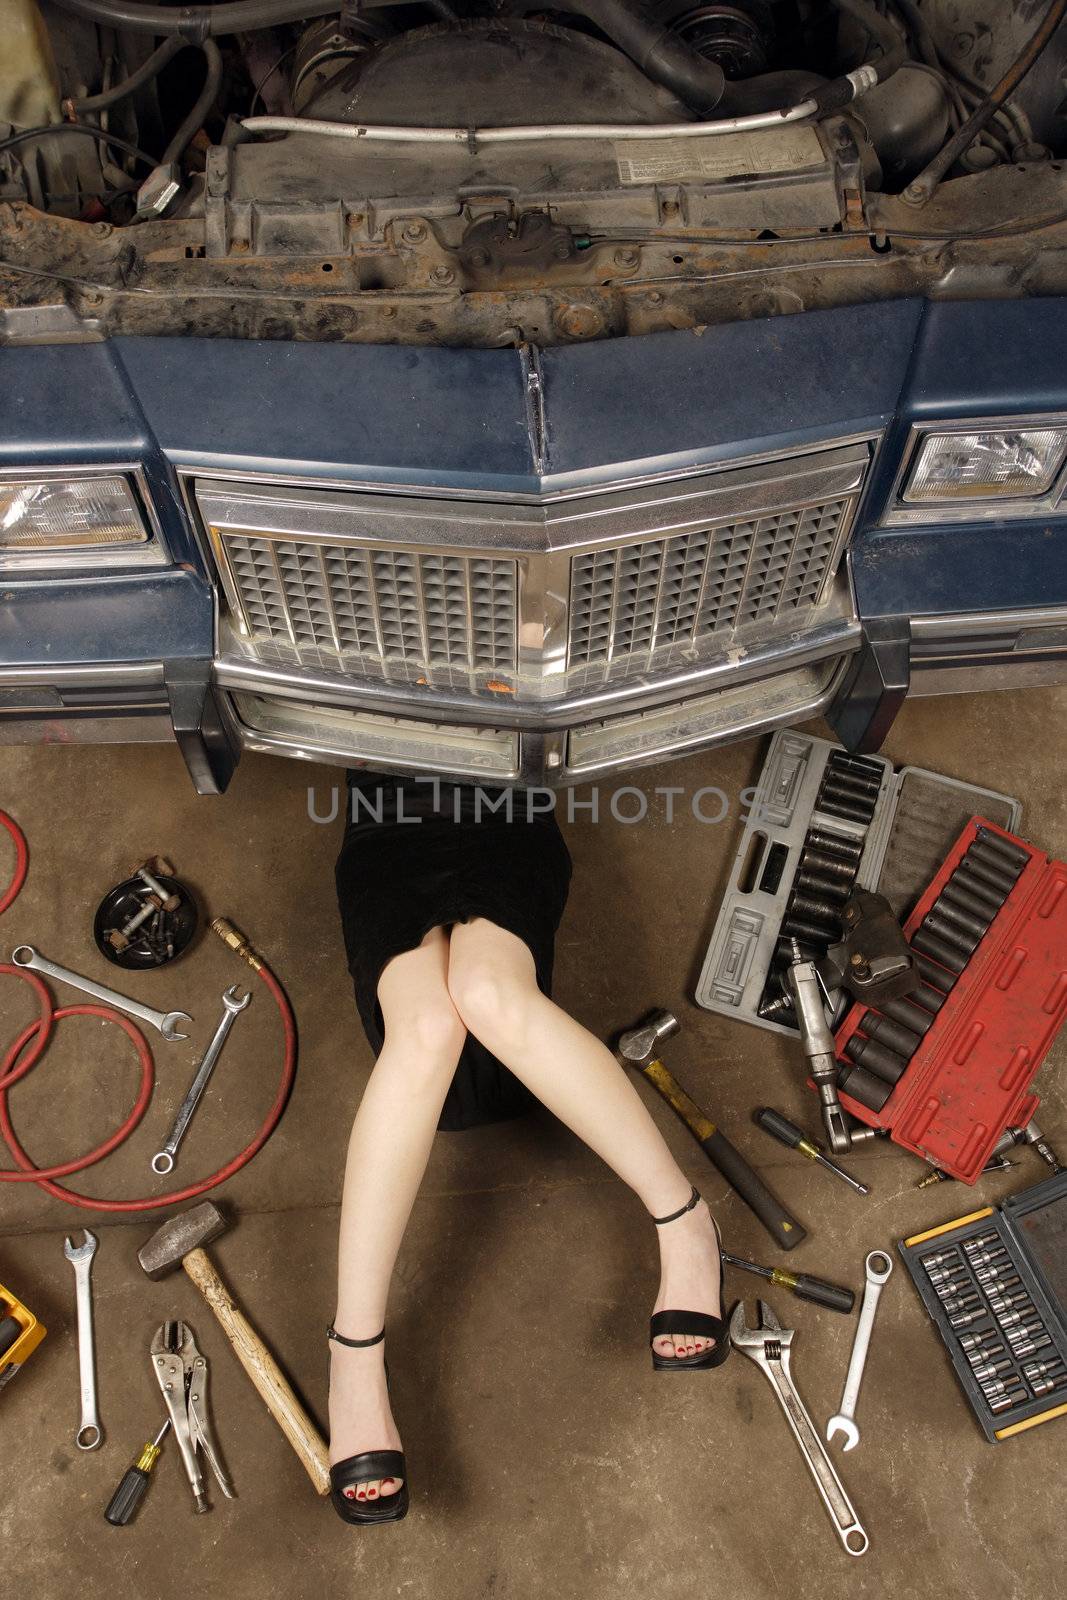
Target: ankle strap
(354, 1344)
(690, 1203)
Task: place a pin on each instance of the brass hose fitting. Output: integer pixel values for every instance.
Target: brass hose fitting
(237, 942)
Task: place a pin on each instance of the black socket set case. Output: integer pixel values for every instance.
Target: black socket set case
(915, 818)
(1031, 1227)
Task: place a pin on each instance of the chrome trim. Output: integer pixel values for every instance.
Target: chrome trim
(152, 552)
(953, 624)
(838, 633)
(189, 469)
(134, 673)
(902, 513)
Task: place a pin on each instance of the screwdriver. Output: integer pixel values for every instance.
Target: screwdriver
(805, 1288)
(780, 1127)
(130, 1492)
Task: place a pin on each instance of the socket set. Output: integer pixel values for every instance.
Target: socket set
(947, 1069)
(995, 1283)
(824, 822)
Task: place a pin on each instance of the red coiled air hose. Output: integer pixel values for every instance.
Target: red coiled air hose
(34, 1038)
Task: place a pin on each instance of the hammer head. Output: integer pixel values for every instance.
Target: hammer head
(640, 1042)
(172, 1242)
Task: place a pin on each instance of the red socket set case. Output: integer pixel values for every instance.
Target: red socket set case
(968, 1078)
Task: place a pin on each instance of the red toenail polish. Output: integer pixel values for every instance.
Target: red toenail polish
(350, 1494)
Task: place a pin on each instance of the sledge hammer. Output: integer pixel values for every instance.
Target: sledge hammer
(180, 1242)
(638, 1046)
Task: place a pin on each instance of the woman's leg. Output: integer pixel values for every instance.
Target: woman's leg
(387, 1155)
(493, 984)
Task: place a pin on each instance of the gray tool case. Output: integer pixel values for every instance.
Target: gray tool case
(914, 818)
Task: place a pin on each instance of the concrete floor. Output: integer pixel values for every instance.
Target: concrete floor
(545, 1455)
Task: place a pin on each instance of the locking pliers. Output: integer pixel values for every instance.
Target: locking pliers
(182, 1374)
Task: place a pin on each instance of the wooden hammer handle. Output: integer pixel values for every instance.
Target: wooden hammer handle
(274, 1388)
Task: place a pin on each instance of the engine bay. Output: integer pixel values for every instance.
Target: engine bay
(491, 172)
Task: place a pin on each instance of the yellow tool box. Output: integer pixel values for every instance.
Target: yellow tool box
(20, 1334)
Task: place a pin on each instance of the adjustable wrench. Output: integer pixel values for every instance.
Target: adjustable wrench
(769, 1347)
(89, 1434)
(878, 1266)
(165, 1021)
(233, 1005)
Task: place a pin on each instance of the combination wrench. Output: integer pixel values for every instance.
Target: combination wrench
(89, 1434)
(165, 1021)
(233, 1005)
(769, 1346)
(878, 1268)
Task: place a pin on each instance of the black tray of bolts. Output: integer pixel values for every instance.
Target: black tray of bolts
(824, 823)
(995, 1283)
(147, 920)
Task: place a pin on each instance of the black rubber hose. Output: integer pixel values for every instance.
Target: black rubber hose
(662, 55)
(148, 69)
(204, 102)
(197, 23)
(921, 188)
(840, 92)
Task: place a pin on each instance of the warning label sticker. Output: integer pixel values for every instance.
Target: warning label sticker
(726, 155)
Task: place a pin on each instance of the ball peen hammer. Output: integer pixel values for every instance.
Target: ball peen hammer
(181, 1241)
(638, 1046)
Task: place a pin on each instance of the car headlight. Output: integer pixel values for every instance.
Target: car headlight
(68, 513)
(988, 463)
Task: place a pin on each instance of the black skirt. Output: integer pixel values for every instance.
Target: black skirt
(418, 855)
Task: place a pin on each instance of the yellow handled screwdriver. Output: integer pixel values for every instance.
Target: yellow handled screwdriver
(131, 1490)
(787, 1132)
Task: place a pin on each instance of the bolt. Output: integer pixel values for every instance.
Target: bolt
(414, 231)
(655, 298)
(562, 251)
(479, 257)
(627, 259)
(102, 230)
(443, 275)
(168, 901)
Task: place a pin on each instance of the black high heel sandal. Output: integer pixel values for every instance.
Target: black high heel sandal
(367, 1466)
(698, 1322)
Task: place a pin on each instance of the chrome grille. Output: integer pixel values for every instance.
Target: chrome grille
(632, 599)
(419, 609)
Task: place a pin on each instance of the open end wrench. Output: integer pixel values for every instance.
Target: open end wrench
(89, 1434)
(165, 1021)
(233, 1004)
(770, 1347)
(878, 1267)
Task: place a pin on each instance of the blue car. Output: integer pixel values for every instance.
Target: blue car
(526, 395)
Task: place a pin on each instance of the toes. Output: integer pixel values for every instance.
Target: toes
(349, 1494)
(700, 1345)
(664, 1345)
(391, 1486)
(679, 1344)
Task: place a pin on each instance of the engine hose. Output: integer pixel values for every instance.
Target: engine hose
(34, 1039)
(196, 23)
(203, 104)
(921, 188)
(150, 68)
(663, 55)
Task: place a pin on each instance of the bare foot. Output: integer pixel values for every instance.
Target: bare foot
(689, 1277)
(360, 1416)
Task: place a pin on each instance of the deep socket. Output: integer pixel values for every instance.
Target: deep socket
(836, 844)
(989, 873)
(842, 808)
(1014, 853)
(930, 945)
(938, 925)
(933, 976)
(903, 1009)
(885, 1064)
(961, 898)
(865, 1088)
(976, 927)
(892, 1034)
